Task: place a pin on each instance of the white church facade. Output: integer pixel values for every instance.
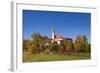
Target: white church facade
(56, 38)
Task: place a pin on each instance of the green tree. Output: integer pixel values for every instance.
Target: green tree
(27, 46)
(81, 44)
(68, 44)
(36, 42)
(87, 47)
(54, 48)
(61, 48)
(41, 43)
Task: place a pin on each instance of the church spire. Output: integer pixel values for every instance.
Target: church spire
(53, 33)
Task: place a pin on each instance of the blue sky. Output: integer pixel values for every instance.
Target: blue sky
(67, 24)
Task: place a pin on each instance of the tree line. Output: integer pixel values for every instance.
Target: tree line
(39, 44)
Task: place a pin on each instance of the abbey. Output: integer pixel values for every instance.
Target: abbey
(58, 38)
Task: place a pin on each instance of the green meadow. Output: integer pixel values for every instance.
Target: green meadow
(56, 57)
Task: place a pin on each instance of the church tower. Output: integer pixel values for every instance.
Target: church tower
(53, 34)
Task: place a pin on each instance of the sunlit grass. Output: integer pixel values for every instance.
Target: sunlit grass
(41, 58)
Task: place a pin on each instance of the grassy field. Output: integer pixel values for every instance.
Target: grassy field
(41, 58)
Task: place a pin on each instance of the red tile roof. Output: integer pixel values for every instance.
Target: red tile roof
(58, 37)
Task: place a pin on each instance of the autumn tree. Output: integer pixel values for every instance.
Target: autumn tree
(68, 44)
(81, 44)
(54, 48)
(26, 46)
(41, 43)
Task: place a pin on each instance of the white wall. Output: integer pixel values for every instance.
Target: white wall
(5, 38)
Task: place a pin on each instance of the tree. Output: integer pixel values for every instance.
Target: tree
(37, 38)
(27, 46)
(41, 43)
(54, 48)
(61, 48)
(81, 43)
(87, 47)
(68, 44)
(36, 42)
